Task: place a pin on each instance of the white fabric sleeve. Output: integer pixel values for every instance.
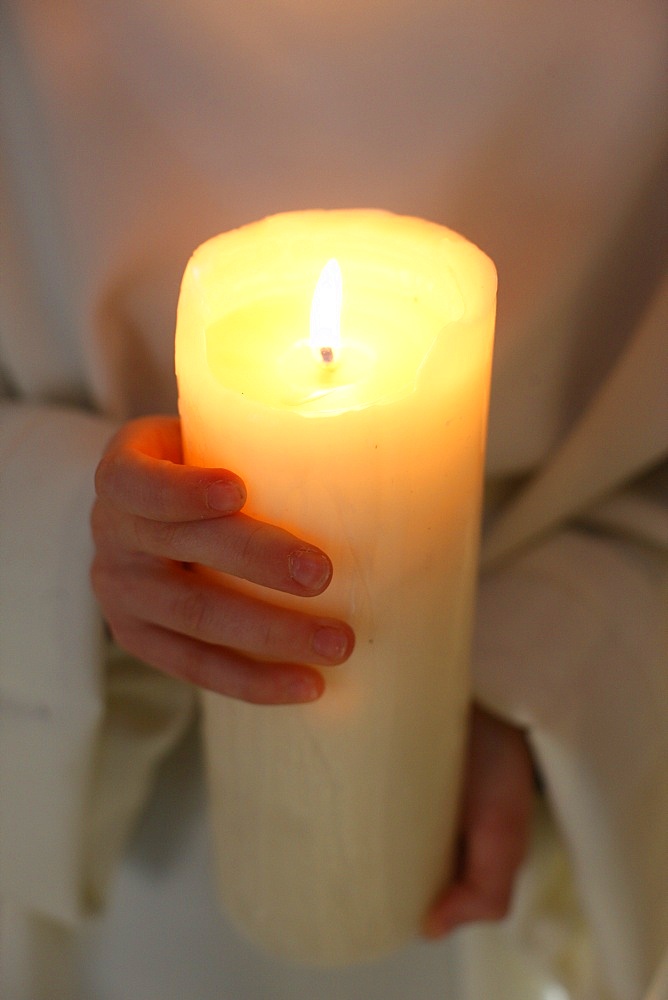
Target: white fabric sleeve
(83, 726)
(51, 678)
(571, 643)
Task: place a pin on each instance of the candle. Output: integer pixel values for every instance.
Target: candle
(334, 821)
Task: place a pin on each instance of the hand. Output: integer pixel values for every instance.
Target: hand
(495, 826)
(152, 518)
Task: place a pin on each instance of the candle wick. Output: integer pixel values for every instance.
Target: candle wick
(327, 355)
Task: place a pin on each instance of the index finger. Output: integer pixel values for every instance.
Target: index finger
(142, 473)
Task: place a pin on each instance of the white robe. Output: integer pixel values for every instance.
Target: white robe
(129, 133)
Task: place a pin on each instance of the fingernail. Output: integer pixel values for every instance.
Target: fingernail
(303, 689)
(309, 568)
(330, 642)
(225, 495)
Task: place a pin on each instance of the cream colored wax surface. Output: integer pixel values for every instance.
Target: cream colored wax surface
(334, 821)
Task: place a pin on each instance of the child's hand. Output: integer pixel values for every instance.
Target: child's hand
(153, 516)
(495, 826)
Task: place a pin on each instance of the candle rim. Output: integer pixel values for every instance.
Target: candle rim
(244, 265)
(405, 237)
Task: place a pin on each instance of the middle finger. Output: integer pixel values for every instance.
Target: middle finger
(187, 602)
(238, 545)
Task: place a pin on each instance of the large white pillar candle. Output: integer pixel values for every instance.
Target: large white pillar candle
(334, 821)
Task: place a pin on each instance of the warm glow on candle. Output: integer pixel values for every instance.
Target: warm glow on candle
(326, 314)
(336, 822)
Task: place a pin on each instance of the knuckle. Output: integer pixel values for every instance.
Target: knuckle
(195, 612)
(252, 548)
(281, 636)
(269, 638)
(161, 535)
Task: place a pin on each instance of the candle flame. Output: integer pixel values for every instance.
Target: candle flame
(326, 314)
